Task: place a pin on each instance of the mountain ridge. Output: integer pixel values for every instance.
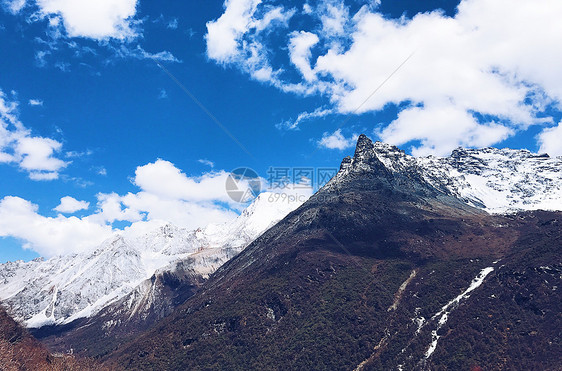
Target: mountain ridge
(357, 271)
(62, 289)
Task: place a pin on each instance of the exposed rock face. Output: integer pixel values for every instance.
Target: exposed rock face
(19, 351)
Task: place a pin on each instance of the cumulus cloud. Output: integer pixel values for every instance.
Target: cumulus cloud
(46, 235)
(334, 16)
(224, 34)
(163, 179)
(489, 66)
(35, 155)
(550, 140)
(187, 214)
(337, 140)
(237, 36)
(100, 19)
(70, 205)
(441, 128)
(110, 208)
(165, 194)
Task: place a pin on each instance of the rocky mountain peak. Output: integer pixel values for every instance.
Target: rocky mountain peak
(364, 146)
(364, 160)
(496, 180)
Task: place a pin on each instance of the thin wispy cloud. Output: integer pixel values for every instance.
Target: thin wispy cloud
(207, 162)
(306, 116)
(173, 24)
(35, 102)
(13, 6)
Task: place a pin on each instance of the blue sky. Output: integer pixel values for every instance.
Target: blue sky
(92, 111)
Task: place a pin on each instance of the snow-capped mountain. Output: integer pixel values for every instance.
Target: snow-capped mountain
(496, 180)
(387, 267)
(64, 288)
(61, 289)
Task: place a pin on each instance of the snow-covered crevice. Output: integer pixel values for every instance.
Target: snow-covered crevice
(443, 315)
(383, 342)
(400, 291)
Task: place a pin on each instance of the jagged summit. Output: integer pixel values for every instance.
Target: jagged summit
(364, 145)
(495, 180)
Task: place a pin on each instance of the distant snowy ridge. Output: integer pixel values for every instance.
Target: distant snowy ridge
(62, 289)
(495, 180)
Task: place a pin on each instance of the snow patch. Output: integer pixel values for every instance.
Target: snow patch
(443, 314)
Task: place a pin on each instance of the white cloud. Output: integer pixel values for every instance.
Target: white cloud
(40, 175)
(163, 179)
(229, 40)
(224, 34)
(71, 205)
(48, 236)
(35, 155)
(490, 66)
(334, 15)
(442, 129)
(35, 102)
(550, 140)
(173, 24)
(78, 154)
(188, 214)
(299, 52)
(337, 140)
(14, 6)
(110, 209)
(206, 162)
(124, 51)
(100, 19)
(166, 195)
(305, 116)
(101, 171)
